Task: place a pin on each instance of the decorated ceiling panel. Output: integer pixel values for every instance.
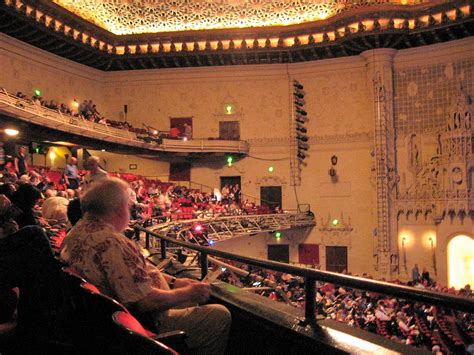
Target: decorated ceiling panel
(123, 17)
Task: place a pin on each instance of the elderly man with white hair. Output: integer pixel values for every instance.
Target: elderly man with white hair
(99, 251)
(95, 171)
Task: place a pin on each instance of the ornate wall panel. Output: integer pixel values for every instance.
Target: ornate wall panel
(423, 94)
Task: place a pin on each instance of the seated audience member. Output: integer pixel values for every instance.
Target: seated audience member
(28, 263)
(174, 132)
(54, 209)
(25, 199)
(74, 213)
(188, 131)
(95, 171)
(98, 250)
(82, 109)
(7, 189)
(7, 224)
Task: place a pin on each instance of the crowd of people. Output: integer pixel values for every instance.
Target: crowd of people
(411, 323)
(98, 219)
(88, 111)
(28, 196)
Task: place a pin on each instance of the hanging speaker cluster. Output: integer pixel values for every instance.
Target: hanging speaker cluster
(301, 118)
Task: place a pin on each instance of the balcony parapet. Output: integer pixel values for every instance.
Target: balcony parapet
(26, 111)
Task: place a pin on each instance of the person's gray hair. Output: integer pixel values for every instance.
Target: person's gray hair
(105, 196)
(93, 158)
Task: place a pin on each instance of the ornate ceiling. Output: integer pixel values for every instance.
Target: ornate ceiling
(348, 30)
(124, 17)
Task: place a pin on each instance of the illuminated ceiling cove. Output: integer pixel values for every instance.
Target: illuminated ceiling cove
(123, 17)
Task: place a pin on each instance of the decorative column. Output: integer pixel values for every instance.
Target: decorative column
(379, 64)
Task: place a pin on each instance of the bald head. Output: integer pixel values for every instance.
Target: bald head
(93, 163)
(105, 196)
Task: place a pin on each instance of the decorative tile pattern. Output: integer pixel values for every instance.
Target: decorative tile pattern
(424, 95)
(154, 16)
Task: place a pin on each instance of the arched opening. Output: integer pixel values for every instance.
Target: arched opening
(461, 261)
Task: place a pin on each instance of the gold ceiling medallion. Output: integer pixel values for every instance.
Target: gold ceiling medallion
(124, 17)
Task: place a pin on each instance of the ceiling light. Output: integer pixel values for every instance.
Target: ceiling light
(11, 132)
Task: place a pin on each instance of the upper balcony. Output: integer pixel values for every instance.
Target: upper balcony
(42, 123)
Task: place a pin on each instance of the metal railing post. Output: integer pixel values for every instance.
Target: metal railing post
(147, 240)
(163, 244)
(137, 235)
(204, 265)
(459, 303)
(310, 304)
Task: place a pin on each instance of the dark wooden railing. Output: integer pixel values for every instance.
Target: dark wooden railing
(311, 276)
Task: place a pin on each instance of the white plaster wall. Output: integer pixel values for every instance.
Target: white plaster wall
(25, 68)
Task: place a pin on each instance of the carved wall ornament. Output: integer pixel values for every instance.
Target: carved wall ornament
(443, 184)
(336, 231)
(336, 225)
(359, 137)
(228, 108)
(270, 181)
(414, 153)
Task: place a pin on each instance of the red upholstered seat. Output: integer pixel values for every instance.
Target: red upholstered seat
(138, 338)
(130, 322)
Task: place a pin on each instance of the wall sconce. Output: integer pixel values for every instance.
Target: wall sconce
(404, 255)
(332, 171)
(433, 256)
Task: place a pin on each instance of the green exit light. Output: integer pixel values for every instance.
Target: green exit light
(37, 92)
(277, 235)
(335, 222)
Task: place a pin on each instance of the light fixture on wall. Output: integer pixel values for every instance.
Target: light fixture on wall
(404, 239)
(433, 255)
(332, 171)
(229, 109)
(230, 160)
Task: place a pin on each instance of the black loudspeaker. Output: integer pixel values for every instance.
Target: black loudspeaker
(125, 108)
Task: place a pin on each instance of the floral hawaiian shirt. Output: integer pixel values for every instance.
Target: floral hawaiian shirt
(110, 261)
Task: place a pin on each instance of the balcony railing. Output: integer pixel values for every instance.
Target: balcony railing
(310, 276)
(27, 111)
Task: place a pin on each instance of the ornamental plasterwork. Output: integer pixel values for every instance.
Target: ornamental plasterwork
(125, 17)
(339, 234)
(325, 139)
(270, 181)
(443, 184)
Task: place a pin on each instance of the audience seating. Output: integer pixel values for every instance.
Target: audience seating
(138, 339)
(101, 307)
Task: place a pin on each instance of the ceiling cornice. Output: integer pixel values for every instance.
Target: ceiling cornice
(51, 27)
